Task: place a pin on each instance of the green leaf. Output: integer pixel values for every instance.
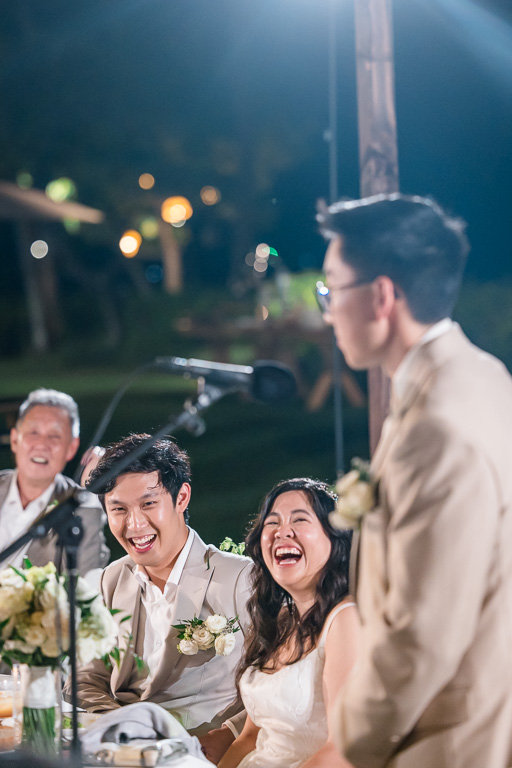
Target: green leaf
(115, 654)
(113, 611)
(125, 618)
(20, 573)
(26, 563)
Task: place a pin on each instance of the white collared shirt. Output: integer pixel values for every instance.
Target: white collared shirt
(400, 377)
(158, 606)
(16, 520)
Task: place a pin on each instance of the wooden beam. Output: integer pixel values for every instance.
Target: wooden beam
(378, 154)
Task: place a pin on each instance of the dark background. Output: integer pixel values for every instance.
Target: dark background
(234, 95)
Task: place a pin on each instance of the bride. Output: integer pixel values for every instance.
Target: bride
(304, 634)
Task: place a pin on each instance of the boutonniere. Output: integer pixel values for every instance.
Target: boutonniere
(356, 496)
(202, 634)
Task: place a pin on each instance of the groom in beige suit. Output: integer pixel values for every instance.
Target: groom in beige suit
(433, 685)
(168, 576)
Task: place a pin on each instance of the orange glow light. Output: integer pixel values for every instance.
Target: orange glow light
(130, 243)
(146, 181)
(176, 210)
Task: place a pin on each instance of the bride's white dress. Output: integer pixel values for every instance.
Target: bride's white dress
(288, 707)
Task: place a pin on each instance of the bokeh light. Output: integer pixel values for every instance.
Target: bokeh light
(210, 195)
(154, 273)
(61, 189)
(71, 225)
(24, 180)
(146, 181)
(130, 243)
(39, 249)
(176, 210)
(149, 228)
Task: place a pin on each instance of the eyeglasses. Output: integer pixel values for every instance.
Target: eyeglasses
(324, 294)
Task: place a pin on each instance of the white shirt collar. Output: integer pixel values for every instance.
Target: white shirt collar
(177, 571)
(400, 377)
(41, 502)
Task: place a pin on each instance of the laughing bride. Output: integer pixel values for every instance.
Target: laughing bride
(304, 633)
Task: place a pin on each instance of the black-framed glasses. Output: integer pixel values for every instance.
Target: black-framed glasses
(324, 294)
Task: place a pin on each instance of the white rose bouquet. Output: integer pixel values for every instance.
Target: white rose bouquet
(202, 634)
(34, 619)
(356, 496)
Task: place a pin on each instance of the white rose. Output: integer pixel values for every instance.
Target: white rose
(34, 635)
(87, 650)
(203, 638)
(216, 623)
(225, 644)
(14, 600)
(52, 593)
(9, 578)
(356, 498)
(84, 591)
(50, 648)
(188, 647)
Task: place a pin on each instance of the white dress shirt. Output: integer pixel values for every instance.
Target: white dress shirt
(158, 606)
(16, 520)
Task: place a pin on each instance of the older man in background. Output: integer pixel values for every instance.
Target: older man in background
(45, 438)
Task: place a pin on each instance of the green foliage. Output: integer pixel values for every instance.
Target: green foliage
(228, 545)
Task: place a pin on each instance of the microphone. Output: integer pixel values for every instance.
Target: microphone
(266, 380)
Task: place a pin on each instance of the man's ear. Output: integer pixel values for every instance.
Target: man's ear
(384, 296)
(72, 448)
(183, 497)
(14, 440)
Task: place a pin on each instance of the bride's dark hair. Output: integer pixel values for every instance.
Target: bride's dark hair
(274, 616)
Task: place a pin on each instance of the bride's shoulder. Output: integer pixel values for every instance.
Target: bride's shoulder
(342, 618)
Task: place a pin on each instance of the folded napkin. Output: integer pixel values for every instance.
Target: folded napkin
(134, 722)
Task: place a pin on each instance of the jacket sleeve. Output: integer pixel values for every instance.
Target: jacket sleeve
(434, 552)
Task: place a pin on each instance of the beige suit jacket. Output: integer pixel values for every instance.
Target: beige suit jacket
(203, 686)
(433, 686)
(93, 551)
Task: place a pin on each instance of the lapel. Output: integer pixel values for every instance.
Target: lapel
(190, 596)
(127, 593)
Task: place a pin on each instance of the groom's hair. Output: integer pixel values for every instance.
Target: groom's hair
(410, 239)
(164, 457)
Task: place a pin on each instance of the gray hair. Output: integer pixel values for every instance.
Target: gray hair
(55, 399)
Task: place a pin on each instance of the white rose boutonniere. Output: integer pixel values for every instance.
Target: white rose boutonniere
(200, 635)
(356, 496)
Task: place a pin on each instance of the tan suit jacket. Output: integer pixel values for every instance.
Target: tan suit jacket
(203, 686)
(433, 686)
(93, 552)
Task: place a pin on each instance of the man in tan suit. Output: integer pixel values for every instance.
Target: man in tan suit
(45, 438)
(433, 685)
(168, 576)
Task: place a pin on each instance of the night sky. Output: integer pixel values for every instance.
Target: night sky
(234, 94)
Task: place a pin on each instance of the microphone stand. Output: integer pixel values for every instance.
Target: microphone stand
(69, 527)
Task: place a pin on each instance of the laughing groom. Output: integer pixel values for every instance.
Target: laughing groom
(433, 684)
(168, 576)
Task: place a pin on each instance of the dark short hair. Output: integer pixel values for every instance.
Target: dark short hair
(410, 239)
(270, 627)
(164, 457)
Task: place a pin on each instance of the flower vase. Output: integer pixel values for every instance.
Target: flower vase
(41, 709)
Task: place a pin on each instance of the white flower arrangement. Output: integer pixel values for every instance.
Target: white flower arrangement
(202, 634)
(356, 496)
(34, 619)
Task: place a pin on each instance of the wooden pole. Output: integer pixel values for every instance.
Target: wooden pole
(378, 154)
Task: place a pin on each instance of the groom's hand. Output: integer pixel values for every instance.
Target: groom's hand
(216, 742)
